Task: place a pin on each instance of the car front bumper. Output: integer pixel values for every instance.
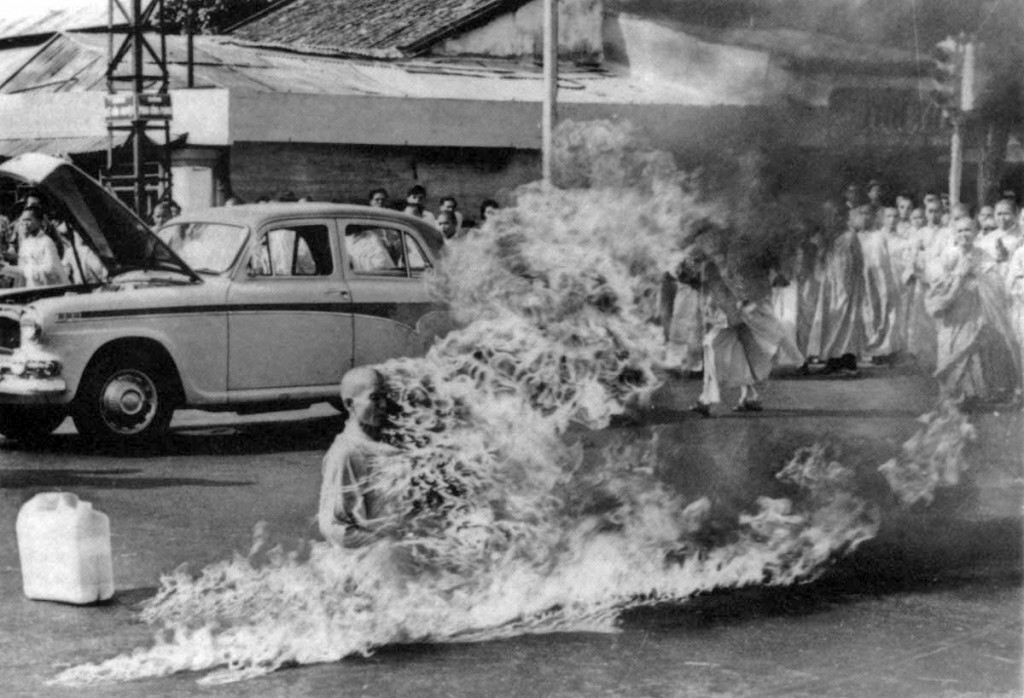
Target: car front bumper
(34, 380)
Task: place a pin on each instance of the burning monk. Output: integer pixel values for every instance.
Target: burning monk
(352, 512)
(977, 357)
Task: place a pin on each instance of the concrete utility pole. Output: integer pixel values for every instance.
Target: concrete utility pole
(550, 115)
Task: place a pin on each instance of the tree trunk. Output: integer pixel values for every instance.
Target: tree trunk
(993, 155)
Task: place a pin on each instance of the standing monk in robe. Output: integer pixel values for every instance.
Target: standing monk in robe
(920, 325)
(681, 318)
(1014, 278)
(880, 289)
(741, 336)
(977, 359)
(810, 272)
(901, 270)
(837, 336)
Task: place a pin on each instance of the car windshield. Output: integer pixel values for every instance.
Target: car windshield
(209, 248)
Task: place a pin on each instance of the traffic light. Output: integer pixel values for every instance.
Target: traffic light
(954, 66)
(947, 67)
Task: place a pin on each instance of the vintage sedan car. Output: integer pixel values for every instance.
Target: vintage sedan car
(245, 308)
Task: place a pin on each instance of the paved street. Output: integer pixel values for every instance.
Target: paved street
(931, 607)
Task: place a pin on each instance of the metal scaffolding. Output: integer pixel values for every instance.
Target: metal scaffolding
(138, 106)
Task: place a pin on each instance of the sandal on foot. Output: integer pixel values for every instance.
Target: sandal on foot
(701, 409)
(748, 406)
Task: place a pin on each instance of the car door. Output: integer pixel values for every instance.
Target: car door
(290, 313)
(390, 300)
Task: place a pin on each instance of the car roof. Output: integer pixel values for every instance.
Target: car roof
(254, 215)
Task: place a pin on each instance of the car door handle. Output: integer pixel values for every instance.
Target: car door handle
(337, 292)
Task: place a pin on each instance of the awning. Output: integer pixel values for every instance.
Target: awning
(69, 145)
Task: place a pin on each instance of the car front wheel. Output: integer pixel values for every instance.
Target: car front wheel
(30, 424)
(124, 400)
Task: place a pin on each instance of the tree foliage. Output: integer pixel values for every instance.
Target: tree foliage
(209, 16)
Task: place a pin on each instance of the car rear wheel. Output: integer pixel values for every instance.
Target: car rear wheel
(30, 424)
(125, 400)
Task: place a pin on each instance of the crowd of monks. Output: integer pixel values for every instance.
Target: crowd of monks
(936, 288)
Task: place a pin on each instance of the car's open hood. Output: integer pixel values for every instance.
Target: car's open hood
(120, 238)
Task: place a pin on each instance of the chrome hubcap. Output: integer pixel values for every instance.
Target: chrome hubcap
(128, 402)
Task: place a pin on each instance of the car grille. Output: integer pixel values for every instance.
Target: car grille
(10, 334)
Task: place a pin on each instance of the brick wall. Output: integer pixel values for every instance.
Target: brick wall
(346, 173)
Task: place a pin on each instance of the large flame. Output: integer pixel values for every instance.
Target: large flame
(511, 529)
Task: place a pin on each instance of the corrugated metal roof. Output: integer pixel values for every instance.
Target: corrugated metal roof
(408, 26)
(76, 62)
(32, 18)
(9, 147)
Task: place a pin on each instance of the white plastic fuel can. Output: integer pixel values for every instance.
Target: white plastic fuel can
(64, 546)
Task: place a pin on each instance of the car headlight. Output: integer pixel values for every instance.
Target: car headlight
(31, 327)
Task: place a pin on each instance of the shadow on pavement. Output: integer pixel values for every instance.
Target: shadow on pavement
(119, 479)
(248, 438)
(922, 558)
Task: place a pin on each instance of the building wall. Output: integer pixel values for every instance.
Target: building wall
(521, 33)
(347, 173)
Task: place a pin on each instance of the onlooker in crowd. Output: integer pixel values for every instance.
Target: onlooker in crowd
(487, 209)
(904, 209)
(161, 213)
(851, 197)
(8, 241)
(378, 198)
(38, 258)
(1009, 231)
(448, 226)
(917, 220)
(34, 200)
(875, 204)
(450, 205)
(414, 199)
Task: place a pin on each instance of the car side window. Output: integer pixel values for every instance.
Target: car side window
(302, 250)
(414, 253)
(372, 249)
(380, 250)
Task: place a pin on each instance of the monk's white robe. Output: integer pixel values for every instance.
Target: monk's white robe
(838, 319)
(685, 350)
(741, 337)
(810, 272)
(920, 324)
(880, 292)
(977, 357)
(352, 512)
(901, 265)
(1014, 278)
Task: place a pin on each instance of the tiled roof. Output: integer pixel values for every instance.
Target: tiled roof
(399, 26)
